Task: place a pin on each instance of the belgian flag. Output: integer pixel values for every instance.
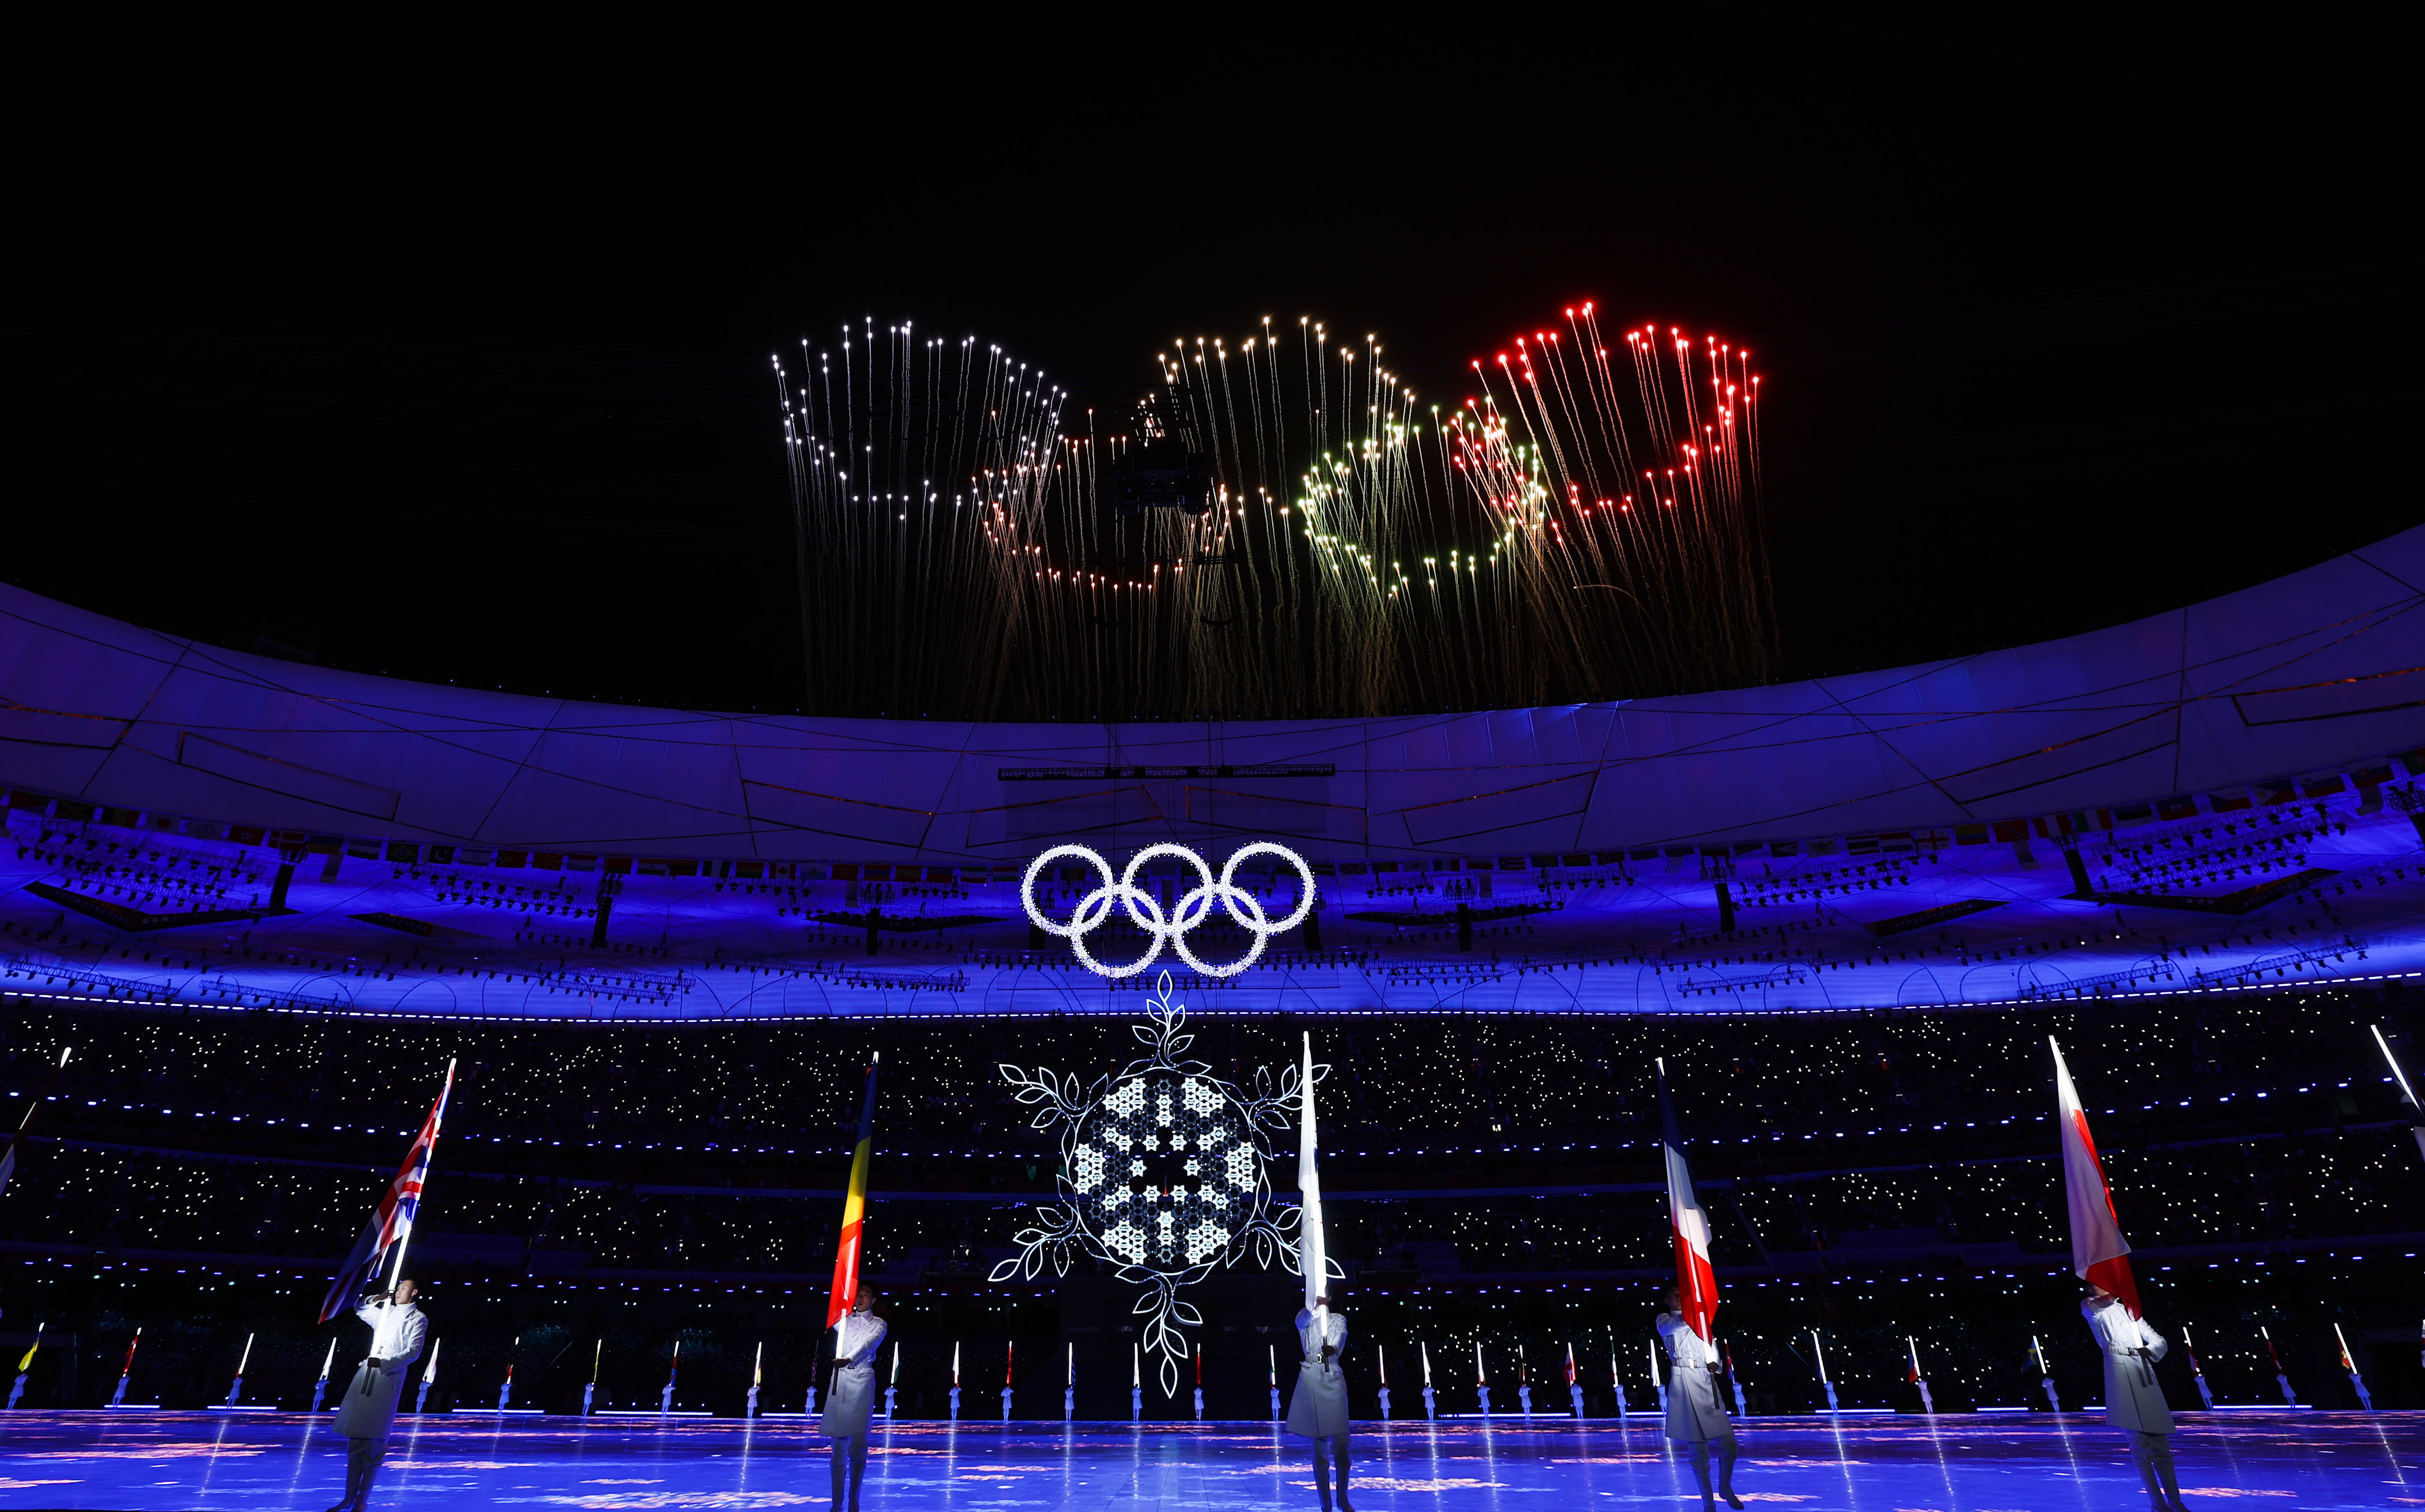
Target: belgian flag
(854, 1210)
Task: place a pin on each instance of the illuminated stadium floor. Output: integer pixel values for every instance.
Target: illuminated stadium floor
(2022, 1463)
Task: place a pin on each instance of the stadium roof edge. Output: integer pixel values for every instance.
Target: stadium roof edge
(2318, 672)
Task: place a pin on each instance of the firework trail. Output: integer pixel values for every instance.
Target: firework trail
(1632, 529)
(1278, 530)
(898, 448)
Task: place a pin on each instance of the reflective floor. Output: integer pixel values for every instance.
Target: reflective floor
(2022, 1463)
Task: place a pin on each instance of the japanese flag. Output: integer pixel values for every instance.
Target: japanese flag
(2099, 1254)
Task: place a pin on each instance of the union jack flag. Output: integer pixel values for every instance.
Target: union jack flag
(391, 1222)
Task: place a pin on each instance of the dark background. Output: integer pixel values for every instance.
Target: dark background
(457, 368)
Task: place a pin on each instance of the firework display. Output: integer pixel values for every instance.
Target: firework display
(1280, 529)
(915, 466)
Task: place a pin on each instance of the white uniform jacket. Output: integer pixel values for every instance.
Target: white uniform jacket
(858, 1339)
(1319, 1407)
(2133, 1398)
(1693, 1411)
(368, 1410)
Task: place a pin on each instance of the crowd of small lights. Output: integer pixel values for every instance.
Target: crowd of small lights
(1491, 1178)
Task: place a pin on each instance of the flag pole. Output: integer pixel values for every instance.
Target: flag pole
(126, 1373)
(235, 1391)
(1313, 1256)
(386, 1235)
(396, 1276)
(405, 1238)
(2281, 1376)
(2189, 1347)
(428, 1377)
(51, 1081)
(2415, 1108)
(9, 1153)
(319, 1388)
(26, 1366)
(844, 1295)
(1696, 1280)
(2364, 1398)
(2099, 1255)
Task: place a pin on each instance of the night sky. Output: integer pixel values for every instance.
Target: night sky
(465, 376)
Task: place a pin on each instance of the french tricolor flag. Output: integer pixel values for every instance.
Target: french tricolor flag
(2099, 1254)
(1695, 1277)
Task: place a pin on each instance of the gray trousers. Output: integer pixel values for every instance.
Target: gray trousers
(363, 1456)
(1725, 1466)
(2154, 1454)
(1338, 1442)
(849, 1456)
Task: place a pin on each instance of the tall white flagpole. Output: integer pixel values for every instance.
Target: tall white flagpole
(235, 1391)
(1313, 1256)
(428, 1376)
(2349, 1364)
(2417, 1127)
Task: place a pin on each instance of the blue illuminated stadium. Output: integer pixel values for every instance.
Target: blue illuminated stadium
(2214, 799)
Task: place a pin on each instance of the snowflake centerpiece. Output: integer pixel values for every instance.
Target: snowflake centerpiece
(1162, 1175)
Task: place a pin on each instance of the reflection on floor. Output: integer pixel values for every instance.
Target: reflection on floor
(2025, 1462)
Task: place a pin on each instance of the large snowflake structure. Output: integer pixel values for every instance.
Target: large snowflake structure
(1162, 1175)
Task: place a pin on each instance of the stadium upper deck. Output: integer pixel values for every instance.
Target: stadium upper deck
(2189, 800)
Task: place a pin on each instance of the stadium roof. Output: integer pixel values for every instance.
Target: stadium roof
(2307, 673)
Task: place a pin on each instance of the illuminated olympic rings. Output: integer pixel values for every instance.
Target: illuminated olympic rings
(1146, 912)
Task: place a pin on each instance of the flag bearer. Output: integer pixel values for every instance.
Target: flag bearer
(1318, 1410)
(852, 1402)
(397, 1330)
(1695, 1416)
(2101, 1257)
(2134, 1402)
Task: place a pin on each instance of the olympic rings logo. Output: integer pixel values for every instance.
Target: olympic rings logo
(1146, 912)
